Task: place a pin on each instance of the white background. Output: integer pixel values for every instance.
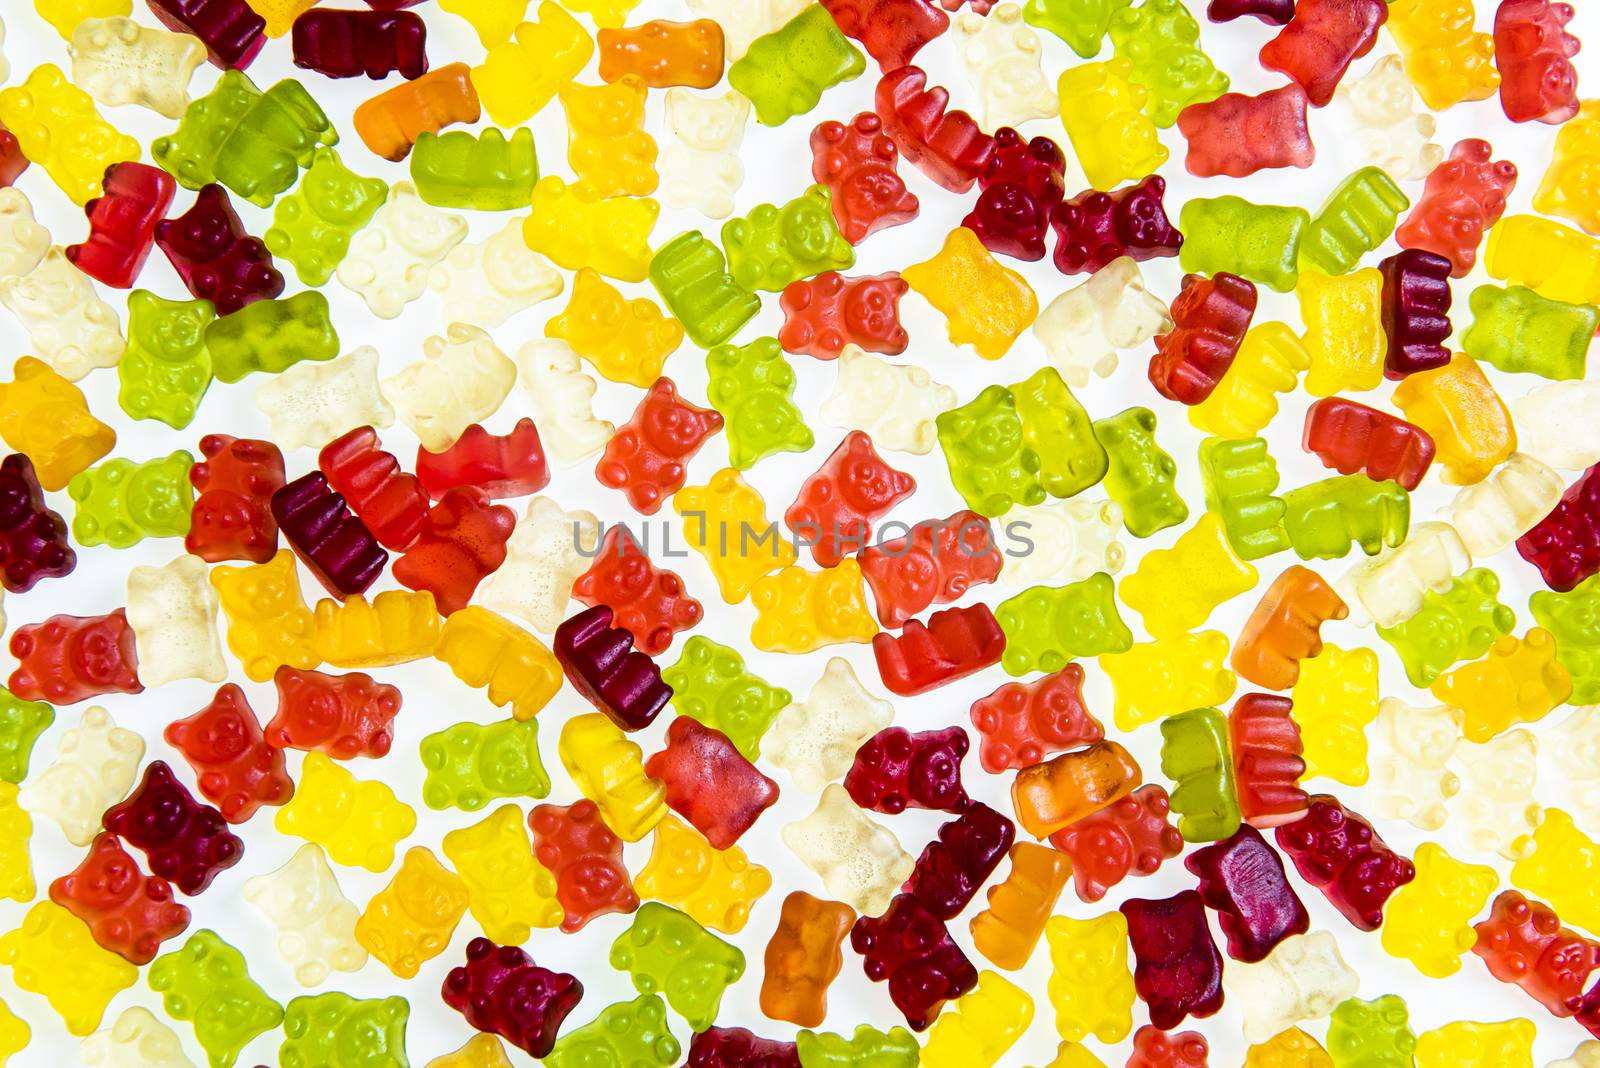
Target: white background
(778, 163)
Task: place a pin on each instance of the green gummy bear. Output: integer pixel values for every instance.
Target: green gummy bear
(484, 171)
(785, 72)
(1325, 517)
(120, 503)
(252, 142)
(207, 982)
(632, 1033)
(1239, 477)
(1048, 626)
(1162, 41)
(1358, 216)
(1058, 430)
(753, 387)
(773, 246)
(1140, 476)
(867, 1048)
(1371, 1034)
(1081, 23)
(987, 452)
(166, 368)
(1519, 331)
(1260, 242)
(335, 1030)
(711, 684)
(272, 336)
(693, 280)
(1458, 624)
(312, 227)
(470, 764)
(21, 723)
(1195, 756)
(1574, 618)
(666, 952)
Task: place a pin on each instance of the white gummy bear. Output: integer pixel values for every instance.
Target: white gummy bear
(544, 556)
(1587, 1055)
(73, 330)
(1001, 56)
(1390, 132)
(462, 379)
(117, 61)
(1492, 514)
(1083, 328)
(310, 404)
(859, 861)
(23, 242)
(1577, 750)
(743, 21)
(1302, 979)
(94, 768)
(1556, 424)
(699, 164)
(316, 923)
(173, 613)
(136, 1040)
(1060, 542)
(1496, 813)
(562, 394)
(487, 283)
(815, 740)
(1411, 780)
(896, 404)
(1388, 589)
(391, 259)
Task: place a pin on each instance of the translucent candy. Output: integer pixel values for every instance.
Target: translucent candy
(1335, 699)
(562, 396)
(1090, 985)
(461, 379)
(1001, 57)
(311, 403)
(1496, 813)
(1061, 542)
(815, 740)
(24, 241)
(95, 765)
(117, 61)
(1429, 921)
(390, 261)
(136, 1040)
(859, 861)
(700, 164)
(1389, 133)
(1553, 424)
(487, 282)
(315, 922)
(1083, 329)
(173, 613)
(895, 404)
(71, 328)
(546, 553)
(1302, 979)
(1411, 781)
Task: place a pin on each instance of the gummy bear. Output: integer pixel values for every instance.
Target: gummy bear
(47, 420)
(575, 845)
(38, 952)
(1428, 921)
(1177, 969)
(120, 502)
(785, 72)
(232, 518)
(207, 982)
(691, 275)
(410, 921)
(710, 683)
(1533, 53)
(1301, 980)
(828, 313)
(1048, 626)
(58, 127)
(832, 841)
(314, 921)
(501, 991)
(235, 768)
(910, 949)
(602, 665)
(486, 171)
(803, 958)
(1090, 985)
(508, 891)
(633, 1033)
(667, 952)
(67, 659)
(709, 782)
(626, 340)
(648, 457)
(357, 821)
(122, 222)
(716, 887)
(858, 163)
(608, 769)
(338, 1031)
(312, 226)
(217, 259)
(128, 912)
(607, 147)
(1463, 198)
(650, 603)
(1320, 42)
(1337, 851)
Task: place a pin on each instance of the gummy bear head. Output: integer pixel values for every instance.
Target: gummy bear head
(504, 763)
(708, 124)
(299, 894)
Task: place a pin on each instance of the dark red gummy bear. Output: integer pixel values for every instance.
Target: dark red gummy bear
(214, 255)
(232, 514)
(1025, 723)
(1267, 764)
(388, 500)
(1523, 943)
(648, 457)
(1094, 228)
(344, 716)
(128, 912)
(602, 664)
(1320, 42)
(955, 643)
(1210, 317)
(911, 949)
(12, 161)
(1243, 882)
(709, 782)
(738, 1047)
(1565, 545)
(1350, 437)
(33, 539)
(502, 992)
(122, 223)
(1463, 197)
(1177, 970)
(953, 866)
(501, 465)
(348, 44)
(230, 29)
(936, 563)
(1154, 1048)
(1135, 836)
(1416, 311)
(184, 840)
(648, 602)
(336, 546)
(895, 770)
(834, 511)
(585, 857)
(1533, 52)
(1337, 851)
(943, 143)
(234, 766)
(1272, 12)
(822, 315)
(462, 543)
(67, 659)
(1238, 135)
(1021, 186)
(858, 164)
(891, 31)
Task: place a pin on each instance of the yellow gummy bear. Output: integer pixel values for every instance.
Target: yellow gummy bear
(1506, 1044)
(410, 921)
(608, 769)
(46, 417)
(1554, 260)
(1090, 984)
(1344, 330)
(1563, 870)
(1177, 589)
(714, 886)
(58, 128)
(508, 891)
(1115, 141)
(607, 147)
(723, 521)
(1153, 680)
(53, 954)
(492, 19)
(1458, 406)
(480, 1051)
(1072, 1055)
(986, 304)
(269, 624)
(612, 236)
(395, 627)
(1519, 681)
(357, 821)
(14, 1034)
(607, 14)
(1428, 921)
(280, 14)
(16, 865)
(1571, 186)
(1288, 1049)
(1445, 60)
(485, 649)
(977, 1028)
(523, 71)
(627, 340)
(1335, 699)
(1270, 362)
(65, 15)
(798, 611)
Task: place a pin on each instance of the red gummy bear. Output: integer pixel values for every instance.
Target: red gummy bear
(953, 644)
(1135, 836)
(709, 782)
(858, 165)
(895, 769)
(1210, 317)
(1177, 970)
(1416, 311)
(1524, 943)
(502, 992)
(1094, 228)
(1267, 763)
(1322, 40)
(1243, 882)
(1337, 851)
(463, 542)
(1154, 1048)
(12, 161)
(936, 563)
(575, 844)
(911, 949)
(122, 223)
(1019, 189)
(648, 602)
(67, 659)
(647, 458)
(344, 716)
(33, 539)
(1237, 135)
(348, 44)
(184, 840)
(739, 1047)
(1272, 12)
(1349, 437)
(834, 511)
(1533, 52)
(232, 514)
(128, 912)
(214, 255)
(391, 502)
(234, 766)
(501, 465)
(1564, 545)
(891, 31)
(953, 866)
(1463, 197)
(1025, 723)
(602, 664)
(230, 29)
(946, 145)
(822, 315)
(336, 546)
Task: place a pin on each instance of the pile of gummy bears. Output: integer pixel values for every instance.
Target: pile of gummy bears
(185, 876)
